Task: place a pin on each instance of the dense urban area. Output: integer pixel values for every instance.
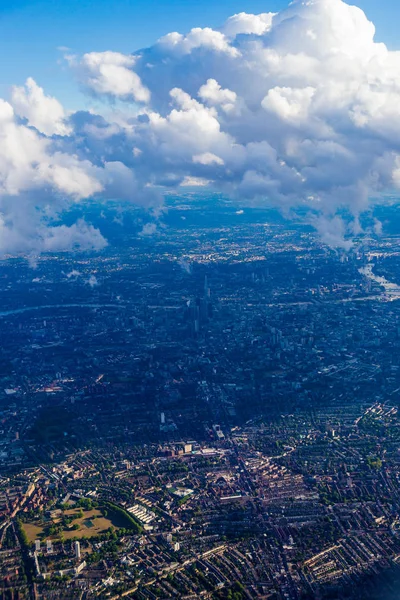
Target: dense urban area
(208, 411)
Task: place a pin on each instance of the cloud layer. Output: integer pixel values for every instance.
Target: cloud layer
(296, 108)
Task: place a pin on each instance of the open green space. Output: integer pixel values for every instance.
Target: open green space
(91, 524)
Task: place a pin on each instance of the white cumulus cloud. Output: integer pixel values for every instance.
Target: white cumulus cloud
(207, 158)
(297, 108)
(112, 73)
(246, 23)
(198, 38)
(43, 112)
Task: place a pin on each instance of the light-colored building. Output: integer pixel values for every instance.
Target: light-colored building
(77, 547)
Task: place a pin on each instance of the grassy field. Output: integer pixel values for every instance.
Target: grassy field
(91, 524)
(33, 532)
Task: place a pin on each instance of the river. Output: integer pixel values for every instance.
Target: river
(392, 290)
(18, 311)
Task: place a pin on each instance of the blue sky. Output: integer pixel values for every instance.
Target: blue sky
(31, 31)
